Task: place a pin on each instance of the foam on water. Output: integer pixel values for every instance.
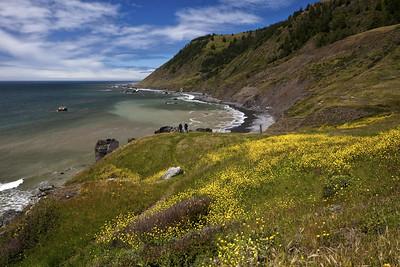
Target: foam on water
(151, 90)
(11, 185)
(191, 98)
(236, 117)
(12, 198)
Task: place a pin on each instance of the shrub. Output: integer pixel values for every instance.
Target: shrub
(186, 210)
(29, 231)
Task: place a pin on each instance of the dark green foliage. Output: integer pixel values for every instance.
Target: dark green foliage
(391, 9)
(325, 22)
(215, 60)
(34, 226)
(189, 53)
(331, 21)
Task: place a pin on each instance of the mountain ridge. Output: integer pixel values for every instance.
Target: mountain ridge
(278, 66)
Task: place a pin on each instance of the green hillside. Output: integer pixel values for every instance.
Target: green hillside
(300, 66)
(320, 188)
(316, 199)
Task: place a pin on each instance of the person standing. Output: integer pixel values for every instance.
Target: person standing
(186, 128)
(180, 128)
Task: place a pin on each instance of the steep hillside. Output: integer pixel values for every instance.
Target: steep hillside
(325, 195)
(316, 62)
(315, 199)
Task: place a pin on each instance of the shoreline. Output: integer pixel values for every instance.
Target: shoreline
(253, 117)
(246, 117)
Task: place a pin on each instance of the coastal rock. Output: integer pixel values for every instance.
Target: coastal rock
(45, 186)
(166, 129)
(204, 130)
(131, 140)
(8, 216)
(172, 172)
(43, 189)
(104, 147)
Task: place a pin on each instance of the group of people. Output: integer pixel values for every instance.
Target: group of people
(183, 128)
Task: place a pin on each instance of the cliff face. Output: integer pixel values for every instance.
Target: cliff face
(334, 56)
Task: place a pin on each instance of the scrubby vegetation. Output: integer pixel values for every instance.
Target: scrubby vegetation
(332, 58)
(323, 198)
(326, 22)
(320, 189)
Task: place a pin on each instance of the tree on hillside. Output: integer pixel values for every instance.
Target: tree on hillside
(392, 10)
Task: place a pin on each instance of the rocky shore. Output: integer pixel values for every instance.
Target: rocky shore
(29, 198)
(254, 115)
(43, 190)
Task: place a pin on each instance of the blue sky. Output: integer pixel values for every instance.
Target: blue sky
(116, 39)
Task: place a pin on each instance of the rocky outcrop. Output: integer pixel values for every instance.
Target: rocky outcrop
(166, 129)
(8, 216)
(172, 172)
(104, 147)
(43, 189)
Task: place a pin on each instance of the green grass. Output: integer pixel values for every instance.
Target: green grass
(328, 197)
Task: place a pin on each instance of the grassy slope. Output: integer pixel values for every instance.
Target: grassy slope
(329, 197)
(327, 194)
(342, 76)
(347, 73)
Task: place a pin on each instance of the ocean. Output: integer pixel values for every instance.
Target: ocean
(37, 143)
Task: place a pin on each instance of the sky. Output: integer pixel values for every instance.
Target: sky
(116, 39)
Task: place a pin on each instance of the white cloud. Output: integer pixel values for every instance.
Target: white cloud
(73, 14)
(27, 29)
(191, 23)
(17, 73)
(57, 61)
(42, 16)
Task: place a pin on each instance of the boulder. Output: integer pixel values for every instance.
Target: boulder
(166, 129)
(8, 216)
(204, 130)
(172, 172)
(42, 190)
(131, 140)
(45, 186)
(104, 147)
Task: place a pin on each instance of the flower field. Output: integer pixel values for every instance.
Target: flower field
(244, 200)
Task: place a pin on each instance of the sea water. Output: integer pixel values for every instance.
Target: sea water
(38, 143)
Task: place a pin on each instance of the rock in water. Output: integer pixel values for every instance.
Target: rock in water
(104, 147)
(172, 172)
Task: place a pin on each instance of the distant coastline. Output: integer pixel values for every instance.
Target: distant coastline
(57, 138)
(251, 119)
